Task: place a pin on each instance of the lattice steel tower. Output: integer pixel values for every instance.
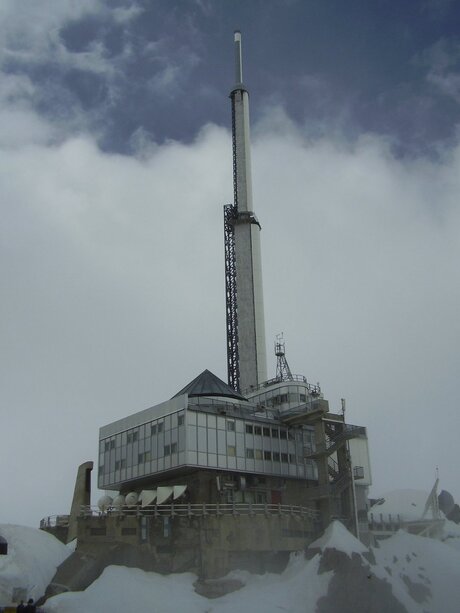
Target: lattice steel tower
(246, 353)
(283, 372)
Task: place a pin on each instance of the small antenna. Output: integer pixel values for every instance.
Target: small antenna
(283, 372)
(238, 59)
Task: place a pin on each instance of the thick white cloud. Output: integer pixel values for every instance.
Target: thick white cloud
(113, 294)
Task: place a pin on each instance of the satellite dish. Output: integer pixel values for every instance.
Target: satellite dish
(119, 502)
(104, 503)
(131, 499)
(446, 502)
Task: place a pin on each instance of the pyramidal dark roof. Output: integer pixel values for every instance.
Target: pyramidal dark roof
(207, 384)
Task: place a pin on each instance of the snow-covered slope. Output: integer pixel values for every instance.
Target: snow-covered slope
(32, 559)
(405, 574)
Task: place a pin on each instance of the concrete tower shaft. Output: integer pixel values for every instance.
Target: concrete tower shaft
(250, 326)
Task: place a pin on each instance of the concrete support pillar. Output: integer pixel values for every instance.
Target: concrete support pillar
(81, 497)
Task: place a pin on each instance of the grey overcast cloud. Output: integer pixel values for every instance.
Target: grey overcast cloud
(115, 163)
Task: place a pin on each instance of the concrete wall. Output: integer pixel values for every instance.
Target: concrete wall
(207, 545)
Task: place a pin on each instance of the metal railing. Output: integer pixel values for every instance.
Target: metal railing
(202, 510)
(332, 443)
(314, 389)
(333, 488)
(306, 407)
(53, 521)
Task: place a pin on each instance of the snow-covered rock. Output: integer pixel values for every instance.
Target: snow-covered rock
(32, 559)
(404, 574)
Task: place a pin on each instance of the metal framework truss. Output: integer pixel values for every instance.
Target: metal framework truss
(233, 367)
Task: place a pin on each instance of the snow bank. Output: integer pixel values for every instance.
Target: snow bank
(32, 560)
(128, 589)
(425, 570)
(418, 573)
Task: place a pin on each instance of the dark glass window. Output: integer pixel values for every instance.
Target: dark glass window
(250, 453)
(275, 432)
(249, 429)
(257, 430)
(276, 456)
(266, 431)
(267, 455)
(180, 420)
(283, 434)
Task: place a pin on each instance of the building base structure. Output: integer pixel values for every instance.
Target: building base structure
(212, 481)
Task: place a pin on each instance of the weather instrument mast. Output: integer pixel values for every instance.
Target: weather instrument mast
(246, 353)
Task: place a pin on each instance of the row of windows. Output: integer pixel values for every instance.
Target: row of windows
(145, 431)
(251, 454)
(157, 428)
(258, 454)
(266, 431)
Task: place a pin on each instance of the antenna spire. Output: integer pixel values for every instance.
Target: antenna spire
(238, 59)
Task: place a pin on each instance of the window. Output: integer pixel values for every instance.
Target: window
(101, 470)
(173, 447)
(107, 446)
(283, 435)
(250, 453)
(133, 436)
(231, 451)
(275, 432)
(249, 429)
(117, 464)
(257, 430)
(146, 456)
(266, 431)
(303, 398)
(180, 420)
(258, 454)
(153, 429)
(284, 457)
(112, 444)
(230, 425)
(267, 455)
(292, 458)
(160, 427)
(167, 450)
(276, 456)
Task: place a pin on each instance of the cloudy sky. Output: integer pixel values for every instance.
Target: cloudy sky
(115, 162)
